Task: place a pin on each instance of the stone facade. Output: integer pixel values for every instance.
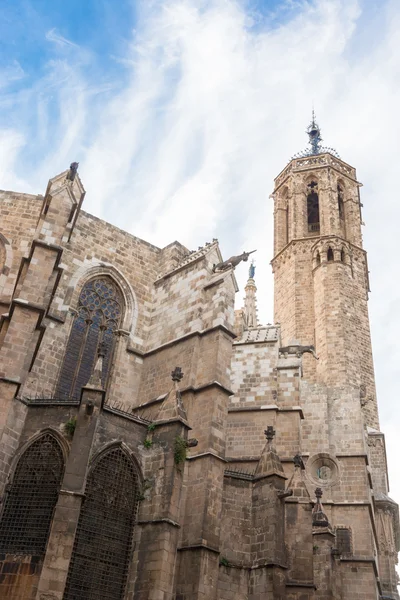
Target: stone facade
(203, 481)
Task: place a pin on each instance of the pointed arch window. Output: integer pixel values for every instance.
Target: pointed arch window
(313, 208)
(31, 498)
(102, 548)
(340, 196)
(98, 317)
(330, 254)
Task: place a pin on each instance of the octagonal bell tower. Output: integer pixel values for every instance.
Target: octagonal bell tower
(320, 269)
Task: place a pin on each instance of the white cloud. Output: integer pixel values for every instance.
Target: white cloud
(53, 36)
(212, 103)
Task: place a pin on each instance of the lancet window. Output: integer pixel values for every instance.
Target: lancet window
(102, 548)
(98, 317)
(31, 498)
(340, 196)
(313, 208)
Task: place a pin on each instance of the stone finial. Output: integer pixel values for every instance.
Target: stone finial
(270, 433)
(177, 374)
(298, 462)
(73, 169)
(319, 518)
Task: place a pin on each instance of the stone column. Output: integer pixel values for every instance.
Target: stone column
(323, 543)
(21, 329)
(62, 534)
(159, 522)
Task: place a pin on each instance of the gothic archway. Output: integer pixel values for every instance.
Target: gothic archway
(31, 498)
(102, 547)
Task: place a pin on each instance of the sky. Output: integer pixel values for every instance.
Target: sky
(182, 112)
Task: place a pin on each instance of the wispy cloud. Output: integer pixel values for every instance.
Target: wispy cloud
(53, 36)
(202, 108)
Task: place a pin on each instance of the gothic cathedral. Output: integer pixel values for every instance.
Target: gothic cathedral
(156, 444)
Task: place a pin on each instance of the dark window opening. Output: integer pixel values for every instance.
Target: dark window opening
(98, 317)
(340, 196)
(31, 498)
(330, 253)
(102, 548)
(342, 256)
(313, 208)
(343, 540)
(318, 258)
(287, 225)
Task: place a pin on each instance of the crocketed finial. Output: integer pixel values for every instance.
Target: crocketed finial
(270, 433)
(177, 374)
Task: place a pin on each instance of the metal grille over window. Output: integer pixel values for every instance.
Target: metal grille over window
(98, 316)
(343, 540)
(102, 548)
(31, 499)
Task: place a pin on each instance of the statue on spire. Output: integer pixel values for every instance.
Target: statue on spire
(250, 300)
(252, 270)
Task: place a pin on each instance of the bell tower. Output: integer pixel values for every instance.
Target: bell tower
(321, 297)
(320, 269)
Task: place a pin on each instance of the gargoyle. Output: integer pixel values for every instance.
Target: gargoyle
(232, 262)
(298, 350)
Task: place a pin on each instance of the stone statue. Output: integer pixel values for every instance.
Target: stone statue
(232, 262)
(73, 169)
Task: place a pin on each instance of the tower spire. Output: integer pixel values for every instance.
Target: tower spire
(314, 139)
(314, 135)
(250, 300)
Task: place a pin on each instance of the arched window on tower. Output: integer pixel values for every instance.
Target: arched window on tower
(330, 254)
(318, 259)
(102, 548)
(98, 317)
(313, 208)
(31, 498)
(340, 196)
(342, 256)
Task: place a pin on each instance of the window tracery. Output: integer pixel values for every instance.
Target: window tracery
(98, 316)
(31, 498)
(102, 547)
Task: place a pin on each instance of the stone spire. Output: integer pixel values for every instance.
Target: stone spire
(172, 407)
(297, 481)
(319, 518)
(269, 463)
(250, 300)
